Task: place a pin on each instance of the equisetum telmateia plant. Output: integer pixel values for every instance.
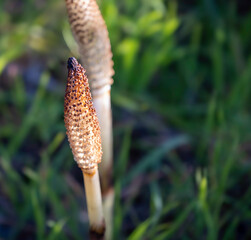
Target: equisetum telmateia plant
(82, 129)
(91, 35)
(90, 32)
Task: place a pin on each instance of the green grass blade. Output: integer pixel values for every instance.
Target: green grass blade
(155, 156)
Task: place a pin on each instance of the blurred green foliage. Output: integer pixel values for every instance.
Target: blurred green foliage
(181, 111)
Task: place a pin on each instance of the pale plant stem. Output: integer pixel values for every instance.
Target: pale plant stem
(108, 202)
(94, 202)
(102, 104)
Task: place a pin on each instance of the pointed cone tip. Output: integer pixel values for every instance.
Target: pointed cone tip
(72, 63)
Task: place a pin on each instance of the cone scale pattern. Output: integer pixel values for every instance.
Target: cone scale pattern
(91, 34)
(82, 127)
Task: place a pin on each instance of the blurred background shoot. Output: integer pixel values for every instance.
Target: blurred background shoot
(181, 111)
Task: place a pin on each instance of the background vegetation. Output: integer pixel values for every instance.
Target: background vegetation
(181, 108)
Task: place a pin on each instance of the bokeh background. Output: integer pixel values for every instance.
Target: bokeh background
(181, 111)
